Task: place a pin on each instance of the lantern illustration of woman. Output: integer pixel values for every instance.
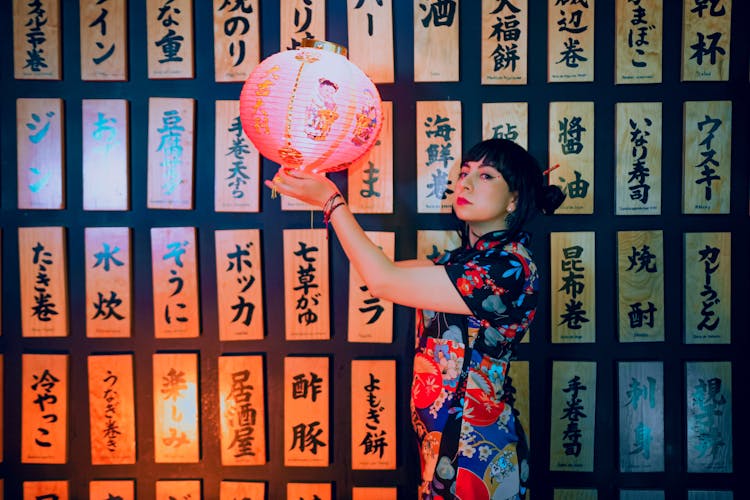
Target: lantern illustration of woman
(311, 108)
(321, 112)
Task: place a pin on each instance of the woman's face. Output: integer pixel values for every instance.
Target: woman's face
(483, 198)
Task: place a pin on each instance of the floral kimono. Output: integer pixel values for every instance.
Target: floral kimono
(471, 446)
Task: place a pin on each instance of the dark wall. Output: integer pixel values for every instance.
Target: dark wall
(540, 352)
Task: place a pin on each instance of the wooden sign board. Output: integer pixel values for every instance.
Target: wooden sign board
(573, 416)
(170, 39)
(1, 305)
(571, 145)
(433, 243)
(36, 490)
(706, 40)
(374, 440)
(436, 41)
(121, 489)
(175, 282)
(370, 25)
(239, 280)
(640, 286)
(104, 43)
(36, 40)
(374, 493)
(577, 494)
(306, 285)
(370, 318)
(2, 398)
(518, 377)
(236, 40)
(234, 490)
(309, 491)
(641, 495)
(709, 416)
(639, 34)
(505, 42)
(709, 495)
(111, 409)
(176, 433)
(573, 266)
(707, 157)
(301, 19)
(106, 160)
(641, 418)
(236, 164)
(570, 41)
(109, 306)
(44, 408)
(638, 178)
(170, 490)
(43, 277)
(370, 179)
(170, 153)
(40, 143)
(242, 414)
(506, 120)
(708, 288)
(306, 406)
(439, 150)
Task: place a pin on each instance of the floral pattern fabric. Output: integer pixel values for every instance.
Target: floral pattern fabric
(471, 444)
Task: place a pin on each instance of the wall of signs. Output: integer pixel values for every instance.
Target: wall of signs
(172, 330)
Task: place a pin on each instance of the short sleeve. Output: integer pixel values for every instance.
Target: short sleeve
(492, 286)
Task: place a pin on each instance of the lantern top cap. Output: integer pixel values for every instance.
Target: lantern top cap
(324, 45)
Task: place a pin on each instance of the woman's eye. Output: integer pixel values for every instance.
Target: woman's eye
(487, 176)
(461, 175)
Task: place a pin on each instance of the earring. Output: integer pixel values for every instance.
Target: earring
(509, 218)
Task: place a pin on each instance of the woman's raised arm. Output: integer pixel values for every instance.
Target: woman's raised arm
(409, 284)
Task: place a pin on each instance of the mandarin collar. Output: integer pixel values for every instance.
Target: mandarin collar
(494, 238)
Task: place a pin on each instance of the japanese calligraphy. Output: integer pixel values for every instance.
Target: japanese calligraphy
(571, 21)
(171, 43)
(44, 412)
(99, 26)
(108, 302)
(708, 165)
(175, 250)
(708, 404)
(709, 256)
(640, 28)
(306, 400)
(38, 128)
(308, 297)
(639, 173)
(375, 439)
(641, 416)
(236, 26)
(438, 12)
(709, 416)
(573, 413)
(438, 130)
(171, 148)
(44, 307)
(506, 32)
(242, 414)
(573, 285)
(36, 37)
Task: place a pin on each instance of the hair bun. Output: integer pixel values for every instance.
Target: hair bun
(549, 198)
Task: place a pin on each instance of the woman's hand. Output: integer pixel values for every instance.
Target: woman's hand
(314, 189)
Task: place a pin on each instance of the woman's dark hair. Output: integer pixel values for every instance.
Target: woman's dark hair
(524, 177)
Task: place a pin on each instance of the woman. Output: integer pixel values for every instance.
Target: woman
(482, 299)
